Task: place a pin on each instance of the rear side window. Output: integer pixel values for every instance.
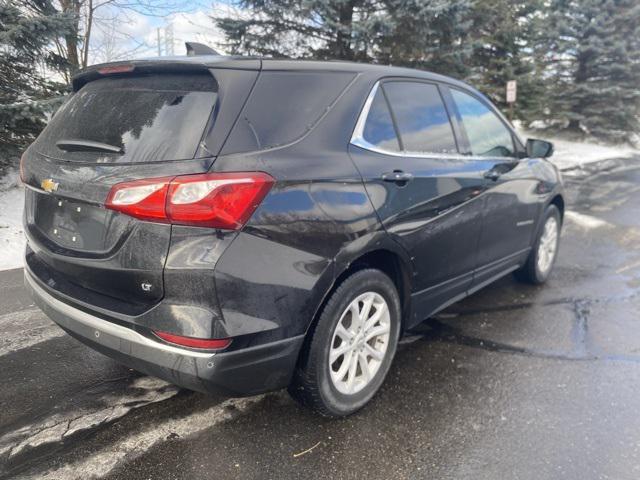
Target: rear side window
(149, 118)
(378, 129)
(284, 106)
(423, 122)
(488, 136)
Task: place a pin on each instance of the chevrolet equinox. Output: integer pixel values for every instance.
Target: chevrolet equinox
(241, 225)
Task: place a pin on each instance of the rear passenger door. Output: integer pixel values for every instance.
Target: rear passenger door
(426, 194)
(511, 204)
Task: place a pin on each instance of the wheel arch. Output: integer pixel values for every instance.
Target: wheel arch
(389, 262)
(390, 259)
(558, 201)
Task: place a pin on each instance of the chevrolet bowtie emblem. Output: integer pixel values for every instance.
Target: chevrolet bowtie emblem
(48, 185)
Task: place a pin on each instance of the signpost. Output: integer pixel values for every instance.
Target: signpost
(512, 90)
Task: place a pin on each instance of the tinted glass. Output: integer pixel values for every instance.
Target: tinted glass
(423, 122)
(150, 118)
(488, 136)
(378, 130)
(285, 105)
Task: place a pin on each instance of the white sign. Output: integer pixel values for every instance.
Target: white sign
(512, 88)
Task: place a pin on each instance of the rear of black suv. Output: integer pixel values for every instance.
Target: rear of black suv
(160, 217)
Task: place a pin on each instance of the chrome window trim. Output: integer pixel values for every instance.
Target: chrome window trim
(358, 140)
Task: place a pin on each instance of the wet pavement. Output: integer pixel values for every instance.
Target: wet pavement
(515, 382)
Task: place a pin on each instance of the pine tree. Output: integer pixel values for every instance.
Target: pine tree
(504, 35)
(594, 67)
(320, 29)
(428, 34)
(26, 94)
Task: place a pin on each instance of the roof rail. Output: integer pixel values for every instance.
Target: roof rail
(194, 48)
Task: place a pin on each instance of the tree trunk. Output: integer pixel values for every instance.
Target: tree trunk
(71, 40)
(580, 76)
(574, 126)
(72, 53)
(87, 35)
(342, 49)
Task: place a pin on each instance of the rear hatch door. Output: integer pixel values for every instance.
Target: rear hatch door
(116, 128)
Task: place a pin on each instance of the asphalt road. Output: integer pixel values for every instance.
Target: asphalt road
(516, 382)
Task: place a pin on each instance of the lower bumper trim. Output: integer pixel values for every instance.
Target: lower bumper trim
(248, 371)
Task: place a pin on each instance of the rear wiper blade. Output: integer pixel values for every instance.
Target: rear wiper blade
(87, 146)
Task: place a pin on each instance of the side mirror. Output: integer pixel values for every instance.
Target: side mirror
(539, 148)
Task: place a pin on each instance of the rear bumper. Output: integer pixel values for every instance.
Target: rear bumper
(248, 371)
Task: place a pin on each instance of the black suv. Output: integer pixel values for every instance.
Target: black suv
(242, 225)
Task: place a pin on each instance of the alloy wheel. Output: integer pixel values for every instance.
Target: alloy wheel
(548, 245)
(360, 342)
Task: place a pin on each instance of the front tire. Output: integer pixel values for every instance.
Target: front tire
(352, 347)
(545, 249)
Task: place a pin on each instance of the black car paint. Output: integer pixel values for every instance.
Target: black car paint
(448, 231)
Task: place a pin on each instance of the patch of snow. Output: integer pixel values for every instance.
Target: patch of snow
(24, 329)
(100, 463)
(572, 155)
(587, 222)
(144, 391)
(12, 241)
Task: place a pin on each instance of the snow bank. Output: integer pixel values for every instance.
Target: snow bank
(572, 155)
(12, 240)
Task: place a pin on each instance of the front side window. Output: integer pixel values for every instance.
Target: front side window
(379, 130)
(488, 136)
(421, 117)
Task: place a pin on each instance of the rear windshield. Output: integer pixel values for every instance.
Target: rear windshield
(132, 120)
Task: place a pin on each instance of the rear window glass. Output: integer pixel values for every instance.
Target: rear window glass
(421, 116)
(147, 118)
(284, 106)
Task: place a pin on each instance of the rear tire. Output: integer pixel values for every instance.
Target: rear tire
(351, 349)
(544, 252)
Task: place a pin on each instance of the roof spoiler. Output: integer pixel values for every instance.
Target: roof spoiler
(194, 49)
(140, 67)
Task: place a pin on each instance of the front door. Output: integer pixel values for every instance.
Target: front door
(426, 194)
(511, 203)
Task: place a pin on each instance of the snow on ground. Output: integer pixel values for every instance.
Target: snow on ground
(573, 155)
(570, 156)
(11, 235)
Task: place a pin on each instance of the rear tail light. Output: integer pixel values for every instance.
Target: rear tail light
(217, 200)
(143, 199)
(192, 342)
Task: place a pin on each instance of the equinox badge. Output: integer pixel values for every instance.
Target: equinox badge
(48, 185)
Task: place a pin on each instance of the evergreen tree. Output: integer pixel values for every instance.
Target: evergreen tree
(428, 34)
(594, 67)
(26, 94)
(321, 29)
(417, 33)
(505, 33)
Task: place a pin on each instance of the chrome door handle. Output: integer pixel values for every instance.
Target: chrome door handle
(397, 176)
